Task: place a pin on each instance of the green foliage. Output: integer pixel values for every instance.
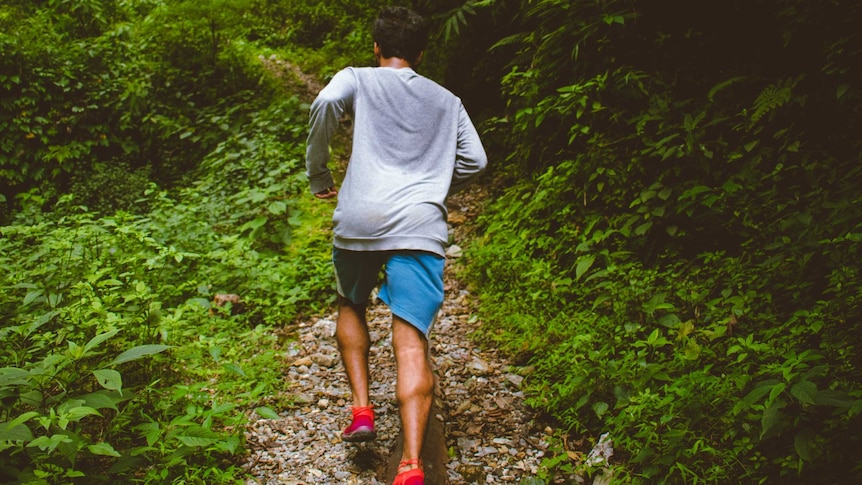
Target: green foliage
(111, 188)
(324, 37)
(673, 254)
(90, 84)
(91, 301)
(315, 24)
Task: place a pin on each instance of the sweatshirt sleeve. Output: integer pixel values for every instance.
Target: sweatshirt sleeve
(326, 110)
(470, 157)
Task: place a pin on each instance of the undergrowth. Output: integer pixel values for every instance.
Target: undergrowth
(116, 362)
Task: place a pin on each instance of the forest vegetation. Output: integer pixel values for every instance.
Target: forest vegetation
(671, 248)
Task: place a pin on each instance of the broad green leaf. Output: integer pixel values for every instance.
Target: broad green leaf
(74, 350)
(150, 431)
(805, 391)
(98, 339)
(802, 443)
(254, 224)
(670, 320)
(31, 296)
(77, 413)
(699, 189)
(11, 376)
(201, 302)
(104, 399)
(234, 369)
(266, 413)
(198, 436)
(138, 352)
(770, 419)
(104, 449)
(16, 432)
(760, 390)
(601, 299)
(600, 408)
(691, 350)
(20, 420)
(45, 443)
(41, 320)
(278, 207)
(215, 352)
(109, 379)
(230, 444)
(839, 399)
(220, 409)
(643, 228)
(583, 266)
(776, 391)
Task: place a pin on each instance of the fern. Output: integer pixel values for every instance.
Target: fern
(457, 17)
(773, 97)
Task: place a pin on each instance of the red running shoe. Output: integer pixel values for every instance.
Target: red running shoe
(414, 476)
(362, 427)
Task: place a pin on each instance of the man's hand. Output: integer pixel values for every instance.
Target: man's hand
(327, 194)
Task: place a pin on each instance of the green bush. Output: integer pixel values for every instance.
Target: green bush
(673, 248)
(80, 288)
(112, 187)
(144, 87)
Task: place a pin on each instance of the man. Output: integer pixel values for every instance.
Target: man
(413, 145)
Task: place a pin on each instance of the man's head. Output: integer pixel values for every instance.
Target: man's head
(400, 32)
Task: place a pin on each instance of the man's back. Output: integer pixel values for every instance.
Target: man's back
(412, 139)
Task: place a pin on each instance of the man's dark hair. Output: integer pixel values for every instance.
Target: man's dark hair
(400, 32)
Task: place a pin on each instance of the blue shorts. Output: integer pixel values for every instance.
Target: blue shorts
(412, 282)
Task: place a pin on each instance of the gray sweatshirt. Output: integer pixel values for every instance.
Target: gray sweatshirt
(413, 145)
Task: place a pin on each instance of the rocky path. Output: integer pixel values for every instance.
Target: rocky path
(490, 434)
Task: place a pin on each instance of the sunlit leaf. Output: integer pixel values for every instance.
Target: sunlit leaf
(266, 413)
(109, 379)
(584, 265)
(138, 352)
(98, 339)
(104, 449)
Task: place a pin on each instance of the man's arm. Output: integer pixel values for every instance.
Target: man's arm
(325, 112)
(470, 157)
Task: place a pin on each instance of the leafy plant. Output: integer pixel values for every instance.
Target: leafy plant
(661, 247)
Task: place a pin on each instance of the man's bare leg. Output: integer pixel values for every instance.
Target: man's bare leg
(351, 333)
(414, 387)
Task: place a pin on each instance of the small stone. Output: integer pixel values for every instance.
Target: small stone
(456, 217)
(515, 379)
(324, 328)
(478, 367)
(325, 360)
(341, 475)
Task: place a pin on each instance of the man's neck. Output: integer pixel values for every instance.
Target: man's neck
(394, 62)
